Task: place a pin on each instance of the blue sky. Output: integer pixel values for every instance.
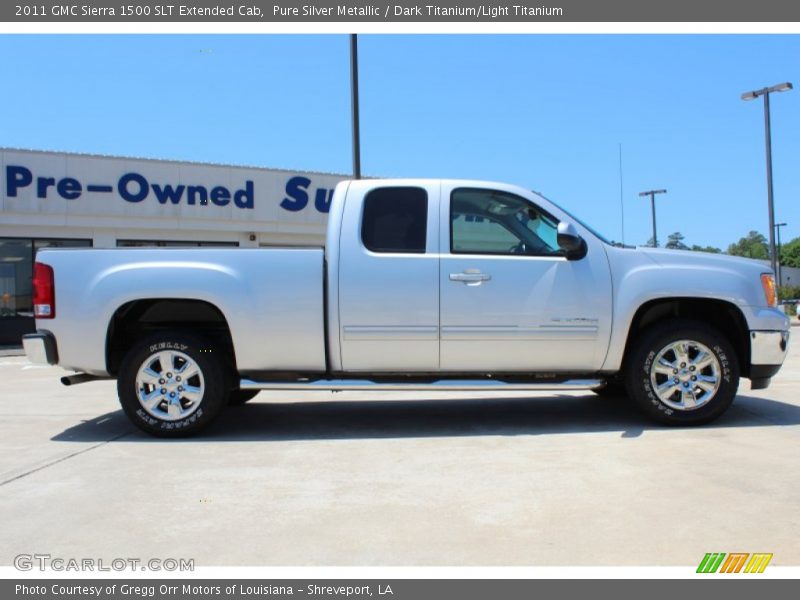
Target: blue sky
(544, 111)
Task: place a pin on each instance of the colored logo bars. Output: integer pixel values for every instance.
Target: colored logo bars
(714, 562)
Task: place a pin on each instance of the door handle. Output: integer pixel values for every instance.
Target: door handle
(470, 278)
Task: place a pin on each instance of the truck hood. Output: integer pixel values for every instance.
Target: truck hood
(650, 273)
(667, 257)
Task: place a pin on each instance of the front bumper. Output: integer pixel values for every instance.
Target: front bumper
(40, 347)
(768, 350)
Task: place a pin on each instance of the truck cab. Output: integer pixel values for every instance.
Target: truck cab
(461, 277)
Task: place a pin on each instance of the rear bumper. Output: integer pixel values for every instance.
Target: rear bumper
(40, 348)
(768, 350)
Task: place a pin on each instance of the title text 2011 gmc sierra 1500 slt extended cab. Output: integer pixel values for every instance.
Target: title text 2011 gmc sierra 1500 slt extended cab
(422, 284)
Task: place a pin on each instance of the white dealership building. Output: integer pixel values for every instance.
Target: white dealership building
(58, 199)
(64, 199)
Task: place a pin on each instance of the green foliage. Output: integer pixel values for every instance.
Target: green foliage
(790, 253)
(675, 241)
(754, 245)
(788, 292)
(709, 249)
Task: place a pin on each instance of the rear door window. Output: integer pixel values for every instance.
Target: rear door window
(395, 219)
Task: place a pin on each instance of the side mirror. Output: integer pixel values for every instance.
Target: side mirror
(570, 242)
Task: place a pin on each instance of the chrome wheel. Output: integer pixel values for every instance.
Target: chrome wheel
(170, 385)
(685, 375)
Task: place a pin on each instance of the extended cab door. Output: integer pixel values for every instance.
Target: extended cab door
(388, 282)
(510, 300)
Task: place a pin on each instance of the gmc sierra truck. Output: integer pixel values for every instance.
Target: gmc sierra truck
(421, 285)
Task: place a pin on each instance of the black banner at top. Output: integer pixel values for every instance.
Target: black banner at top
(399, 11)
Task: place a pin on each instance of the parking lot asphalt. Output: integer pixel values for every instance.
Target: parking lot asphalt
(401, 479)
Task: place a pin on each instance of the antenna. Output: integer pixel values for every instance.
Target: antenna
(621, 203)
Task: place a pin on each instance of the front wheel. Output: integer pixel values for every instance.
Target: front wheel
(682, 372)
(172, 384)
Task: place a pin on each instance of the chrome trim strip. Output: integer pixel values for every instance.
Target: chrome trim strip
(398, 332)
(512, 332)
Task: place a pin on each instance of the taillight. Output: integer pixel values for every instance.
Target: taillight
(44, 292)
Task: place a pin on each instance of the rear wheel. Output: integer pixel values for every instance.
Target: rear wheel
(172, 384)
(682, 372)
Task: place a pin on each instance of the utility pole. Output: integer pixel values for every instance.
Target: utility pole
(652, 194)
(778, 232)
(354, 105)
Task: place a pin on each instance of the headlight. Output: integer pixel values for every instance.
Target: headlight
(770, 291)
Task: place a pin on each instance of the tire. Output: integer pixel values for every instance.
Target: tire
(238, 397)
(681, 349)
(193, 406)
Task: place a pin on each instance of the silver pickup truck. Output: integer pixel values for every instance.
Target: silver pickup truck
(422, 285)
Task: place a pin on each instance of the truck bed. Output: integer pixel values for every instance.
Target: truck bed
(271, 298)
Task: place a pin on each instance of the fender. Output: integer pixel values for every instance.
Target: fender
(642, 275)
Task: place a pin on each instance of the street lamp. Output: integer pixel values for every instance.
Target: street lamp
(778, 232)
(765, 92)
(652, 194)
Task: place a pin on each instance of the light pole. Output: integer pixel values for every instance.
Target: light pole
(778, 232)
(652, 194)
(354, 105)
(765, 92)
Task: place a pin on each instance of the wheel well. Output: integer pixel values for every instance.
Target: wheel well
(723, 316)
(139, 318)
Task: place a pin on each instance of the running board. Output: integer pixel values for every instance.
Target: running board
(442, 385)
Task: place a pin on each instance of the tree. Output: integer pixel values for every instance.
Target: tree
(790, 253)
(711, 249)
(675, 241)
(754, 245)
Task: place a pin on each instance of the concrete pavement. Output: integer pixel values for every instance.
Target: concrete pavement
(403, 479)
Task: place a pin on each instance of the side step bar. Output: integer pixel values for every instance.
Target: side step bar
(443, 385)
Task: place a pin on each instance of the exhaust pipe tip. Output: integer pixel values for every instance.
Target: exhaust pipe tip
(78, 378)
